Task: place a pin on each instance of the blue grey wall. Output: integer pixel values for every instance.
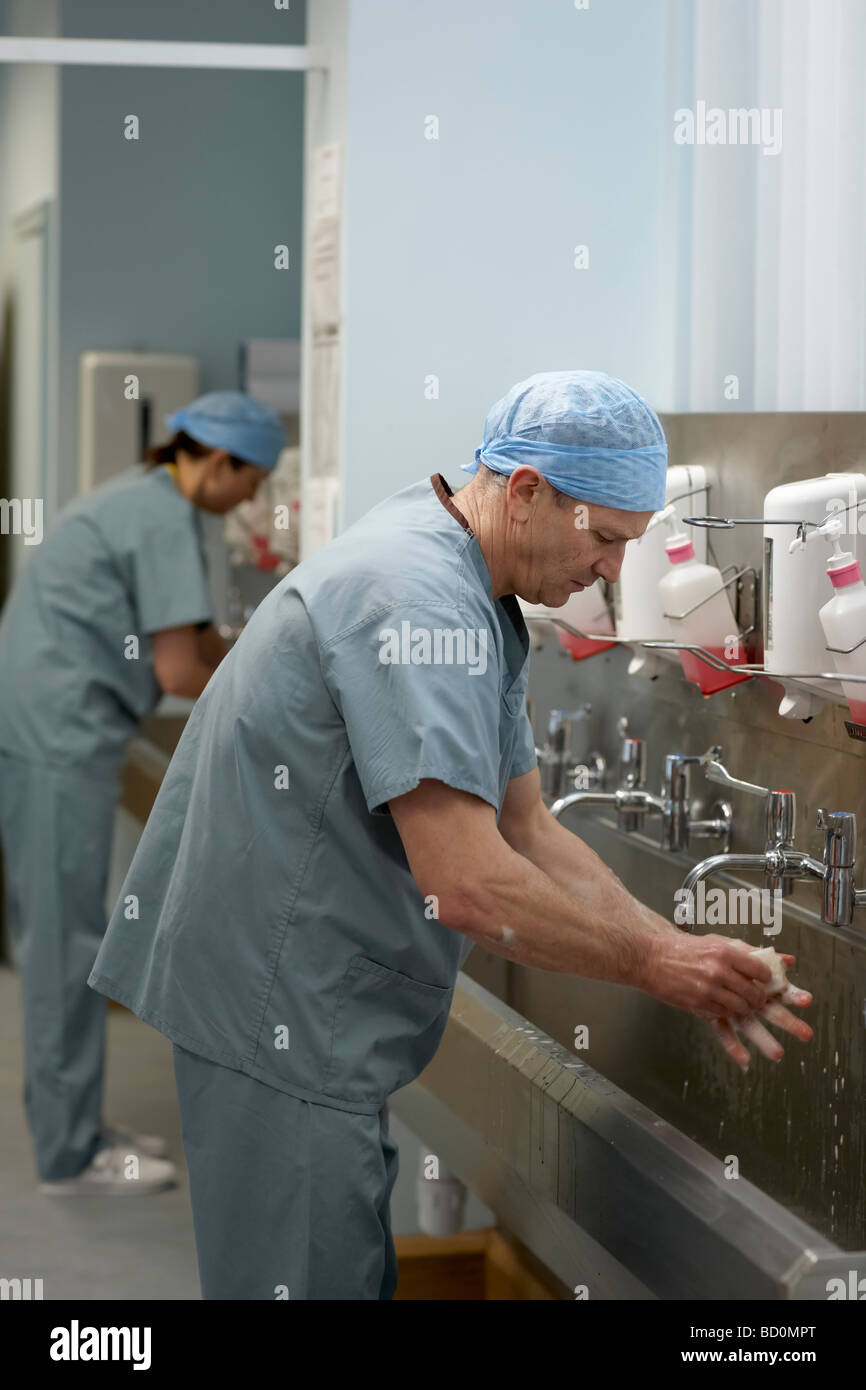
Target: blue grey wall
(553, 131)
(201, 21)
(167, 242)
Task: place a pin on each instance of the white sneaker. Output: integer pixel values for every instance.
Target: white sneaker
(152, 1144)
(116, 1171)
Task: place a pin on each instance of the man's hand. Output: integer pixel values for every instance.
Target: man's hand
(726, 1029)
(721, 980)
(713, 976)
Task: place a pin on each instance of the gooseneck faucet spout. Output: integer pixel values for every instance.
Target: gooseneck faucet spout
(631, 800)
(776, 863)
(780, 862)
(574, 798)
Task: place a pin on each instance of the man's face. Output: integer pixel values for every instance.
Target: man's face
(561, 549)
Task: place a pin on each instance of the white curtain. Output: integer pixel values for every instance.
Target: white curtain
(770, 250)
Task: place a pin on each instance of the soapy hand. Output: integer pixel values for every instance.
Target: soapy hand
(717, 977)
(782, 992)
(729, 983)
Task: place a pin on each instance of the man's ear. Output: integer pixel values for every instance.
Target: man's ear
(523, 486)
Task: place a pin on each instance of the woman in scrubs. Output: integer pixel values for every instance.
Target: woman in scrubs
(111, 612)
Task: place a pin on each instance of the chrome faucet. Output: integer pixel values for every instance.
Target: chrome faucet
(678, 826)
(555, 759)
(780, 862)
(633, 802)
(840, 895)
(631, 799)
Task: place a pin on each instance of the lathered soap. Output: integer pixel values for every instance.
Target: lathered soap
(771, 957)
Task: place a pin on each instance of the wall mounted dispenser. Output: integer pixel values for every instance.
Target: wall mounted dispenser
(697, 610)
(795, 581)
(637, 604)
(843, 620)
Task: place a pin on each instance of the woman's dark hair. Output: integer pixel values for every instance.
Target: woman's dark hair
(167, 453)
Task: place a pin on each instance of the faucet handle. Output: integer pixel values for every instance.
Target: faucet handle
(632, 756)
(559, 718)
(715, 772)
(590, 775)
(683, 759)
(632, 764)
(841, 828)
(781, 815)
(556, 755)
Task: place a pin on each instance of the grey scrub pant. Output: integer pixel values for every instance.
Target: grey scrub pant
(290, 1199)
(56, 826)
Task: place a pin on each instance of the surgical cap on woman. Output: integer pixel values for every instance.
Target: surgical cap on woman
(233, 421)
(588, 434)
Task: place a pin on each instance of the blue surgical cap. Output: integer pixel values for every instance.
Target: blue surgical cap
(588, 434)
(235, 422)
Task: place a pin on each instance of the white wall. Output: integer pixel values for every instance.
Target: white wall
(460, 250)
(556, 127)
(776, 287)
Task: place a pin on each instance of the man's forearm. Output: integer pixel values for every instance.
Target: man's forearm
(583, 921)
(486, 883)
(575, 867)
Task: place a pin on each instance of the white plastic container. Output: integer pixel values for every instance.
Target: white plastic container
(637, 605)
(843, 620)
(712, 625)
(795, 584)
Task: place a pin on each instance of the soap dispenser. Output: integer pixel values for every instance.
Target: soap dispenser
(843, 619)
(711, 625)
(795, 582)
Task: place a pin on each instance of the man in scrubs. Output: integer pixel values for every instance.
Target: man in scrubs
(111, 611)
(353, 804)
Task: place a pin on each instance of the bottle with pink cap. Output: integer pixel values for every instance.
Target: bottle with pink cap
(712, 625)
(843, 619)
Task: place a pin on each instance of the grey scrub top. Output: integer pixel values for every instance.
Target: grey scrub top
(123, 562)
(269, 921)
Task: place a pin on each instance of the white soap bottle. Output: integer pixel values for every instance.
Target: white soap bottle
(712, 625)
(843, 619)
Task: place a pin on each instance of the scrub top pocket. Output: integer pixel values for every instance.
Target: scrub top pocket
(387, 1027)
